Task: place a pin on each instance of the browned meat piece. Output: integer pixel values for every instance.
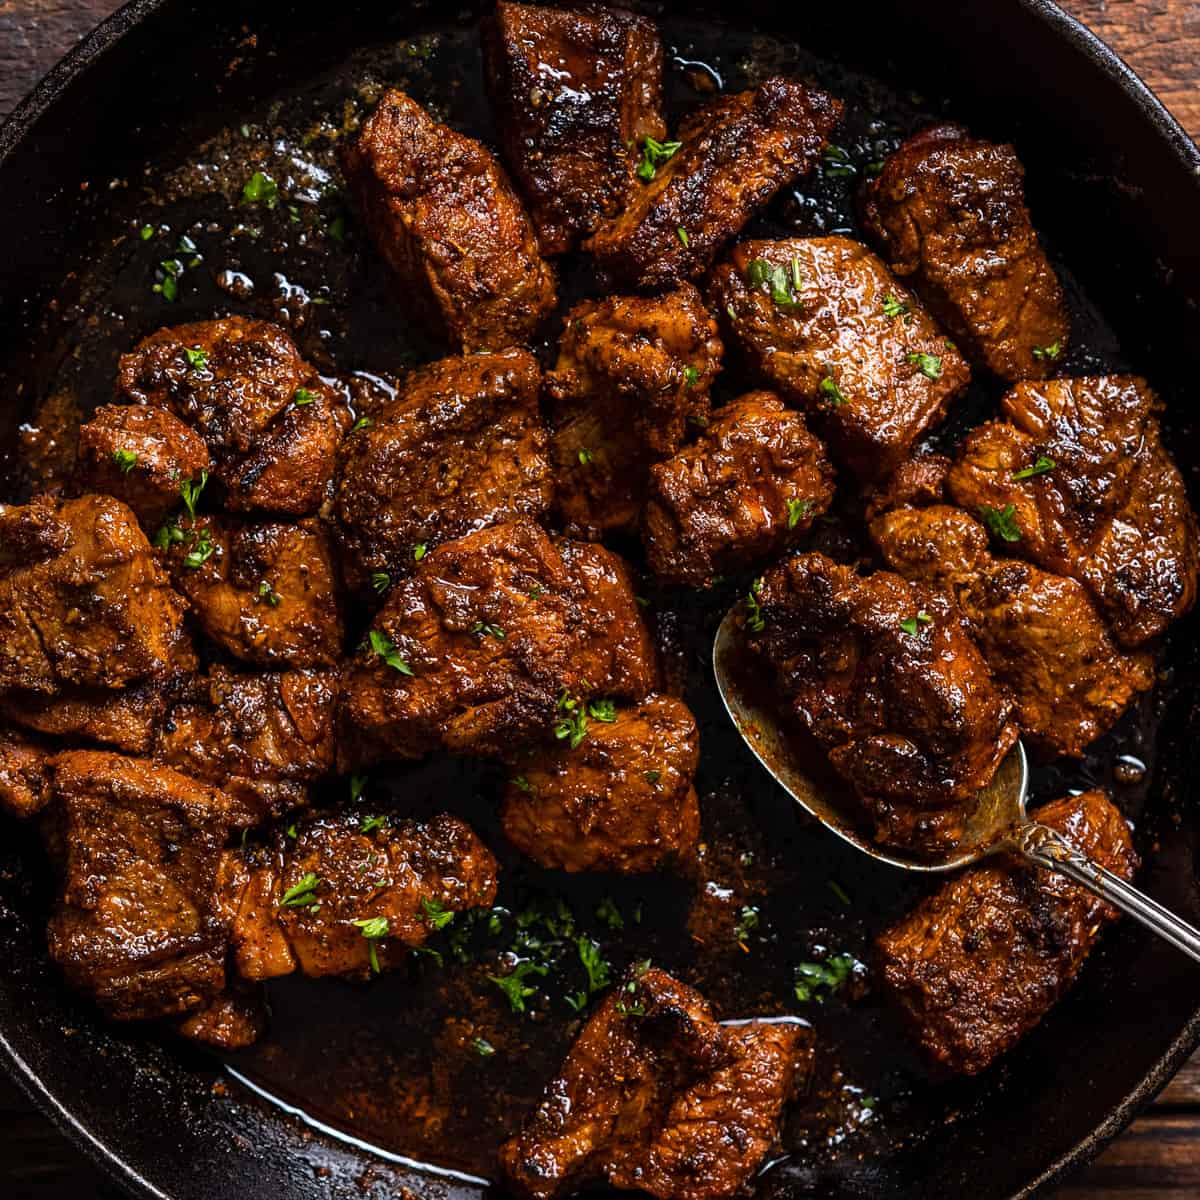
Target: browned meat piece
(266, 592)
(948, 212)
(462, 447)
(473, 652)
(826, 325)
(632, 373)
(24, 775)
(620, 800)
(137, 925)
(232, 1020)
(140, 454)
(1042, 638)
(347, 895)
(654, 1095)
(83, 602)
(883, 673)
(270, 424)
(445, 218)
(1081, 484)
(261, 738)
(980, 962)
(735, 154)
(753, 482)
(575, 94)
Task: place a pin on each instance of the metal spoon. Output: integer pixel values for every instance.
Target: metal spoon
(998, 822)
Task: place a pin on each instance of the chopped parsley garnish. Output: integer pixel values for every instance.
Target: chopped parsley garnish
(797, 511)
(1051, 351)
(268, 594)
(261, 189)
(894, 307)
(483, 629)
(168, 535)
(535, 591)
(1040, 467)
(201, 551)
(337, 228)
(197, 359)
(1001, 521)
(190, 490)
(357, 783)
(608, 912)
(168, 285)
(912, 624)
(652, 777)
(361, 423)
(691, 376)
(754, 617)
(519, 781)
(816, 980)
(832, 392)
(380, 582)
(435, 914)
(370, 824)
(146, 232)
(839, 891)
(483, 1047)
(513, 984)
(419, 551)
(654, 153)
(930, 365)
(603, 710)
(586, 457)
(573, 725)
(746, 924)
(781, 282)
(837, 163)
(291, 831)
(594, 964)
(303, 396)
(758, 272)
(125, 459)
(302, 893)
(385, 648)
(681, 233)
(373, 928)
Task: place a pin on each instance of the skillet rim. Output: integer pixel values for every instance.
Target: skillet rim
(1072, 35)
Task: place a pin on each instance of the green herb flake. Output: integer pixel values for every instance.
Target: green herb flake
(513, 984)
(608, 912)
(894, 307)
(337, 228)
(797, 511)
(146, 232)
(303, 396)
(419, 551)
(268, 594)
(586, 457)
(483, 629)
(292, 833)
(837, 163)
(930, 365)
(380, 582)
(691, 376)
(190, 490)
(373, 928)
(816, 980)
(573, 724)
(652, 777)
(483, 1047)
(831, 391)
(302, 893)
(1040, 467)
(754, 618)
(197, 359)
(758, 272)
(594, 964)
(747, 922)
(435, 914)
(681, 233)
(357, 784)
(1050, 352)
(385, 648)
(201, 551)
(520, 782)
(654, 154)
(840, 892)
(912, 625)
(370, 824)
(603, 710)
(361, 423)
(1001, 521)
(125, 459)
(260, 189)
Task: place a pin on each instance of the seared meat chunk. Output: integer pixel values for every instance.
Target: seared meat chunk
(267, 592)
(884, 674)
(137, 925)
(753, 482)
(270, 424)
(735, 154)
(232, 1020)
(261, 738)
(654, 1095)
(575, 95)
(24, 775)
(632, 372)
(462, 447)
(826, 325)
(620, 800)
(445, 218)
(347, 895)
(1081, 484)
(981, 961)
(140, 454)
(474, 652)
(948, 212)
(1040, 633)
(83, 601)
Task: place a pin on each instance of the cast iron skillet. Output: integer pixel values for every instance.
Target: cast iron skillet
(1115, 185)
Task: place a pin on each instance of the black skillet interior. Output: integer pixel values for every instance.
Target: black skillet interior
(1114, 188)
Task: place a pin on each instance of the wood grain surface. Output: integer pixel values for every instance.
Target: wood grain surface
(1158, 1158)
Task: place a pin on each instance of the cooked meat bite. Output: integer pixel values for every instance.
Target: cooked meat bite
(575, 95)
(981, 961)
(883, 673)
(1040, 633)
(136, 925)
(24, 775)
(270, 424)
(948, 212)
(261, 738)
(1081, 484)
(445, 218)
(753, 482)
(335, 900)
(656, 1096)
(232, 1020)
(462, 447)
(621, 800)
(266, 592)
(826, 325)
(83, 602)
(140, 454)
(473, 652)
(736, 153)
(632, 372)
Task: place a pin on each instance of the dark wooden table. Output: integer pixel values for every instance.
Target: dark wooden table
(1158, 1158)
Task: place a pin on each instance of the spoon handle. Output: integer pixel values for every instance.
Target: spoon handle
(1048, 848)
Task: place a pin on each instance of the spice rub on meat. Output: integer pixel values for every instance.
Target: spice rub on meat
(265, 592)
(655, 1096)
(948, 213)
(1078, 481)
(884, 674)
(752, 482)
(447, 221)
(982, 960)
(612, 793)
(828, 327)
(576, 95)
(271, 425)
(1042, 637)
(632, 373)
(474, 651)
(735, 153)
(350, 894)
(24, 775)
(462, 447)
